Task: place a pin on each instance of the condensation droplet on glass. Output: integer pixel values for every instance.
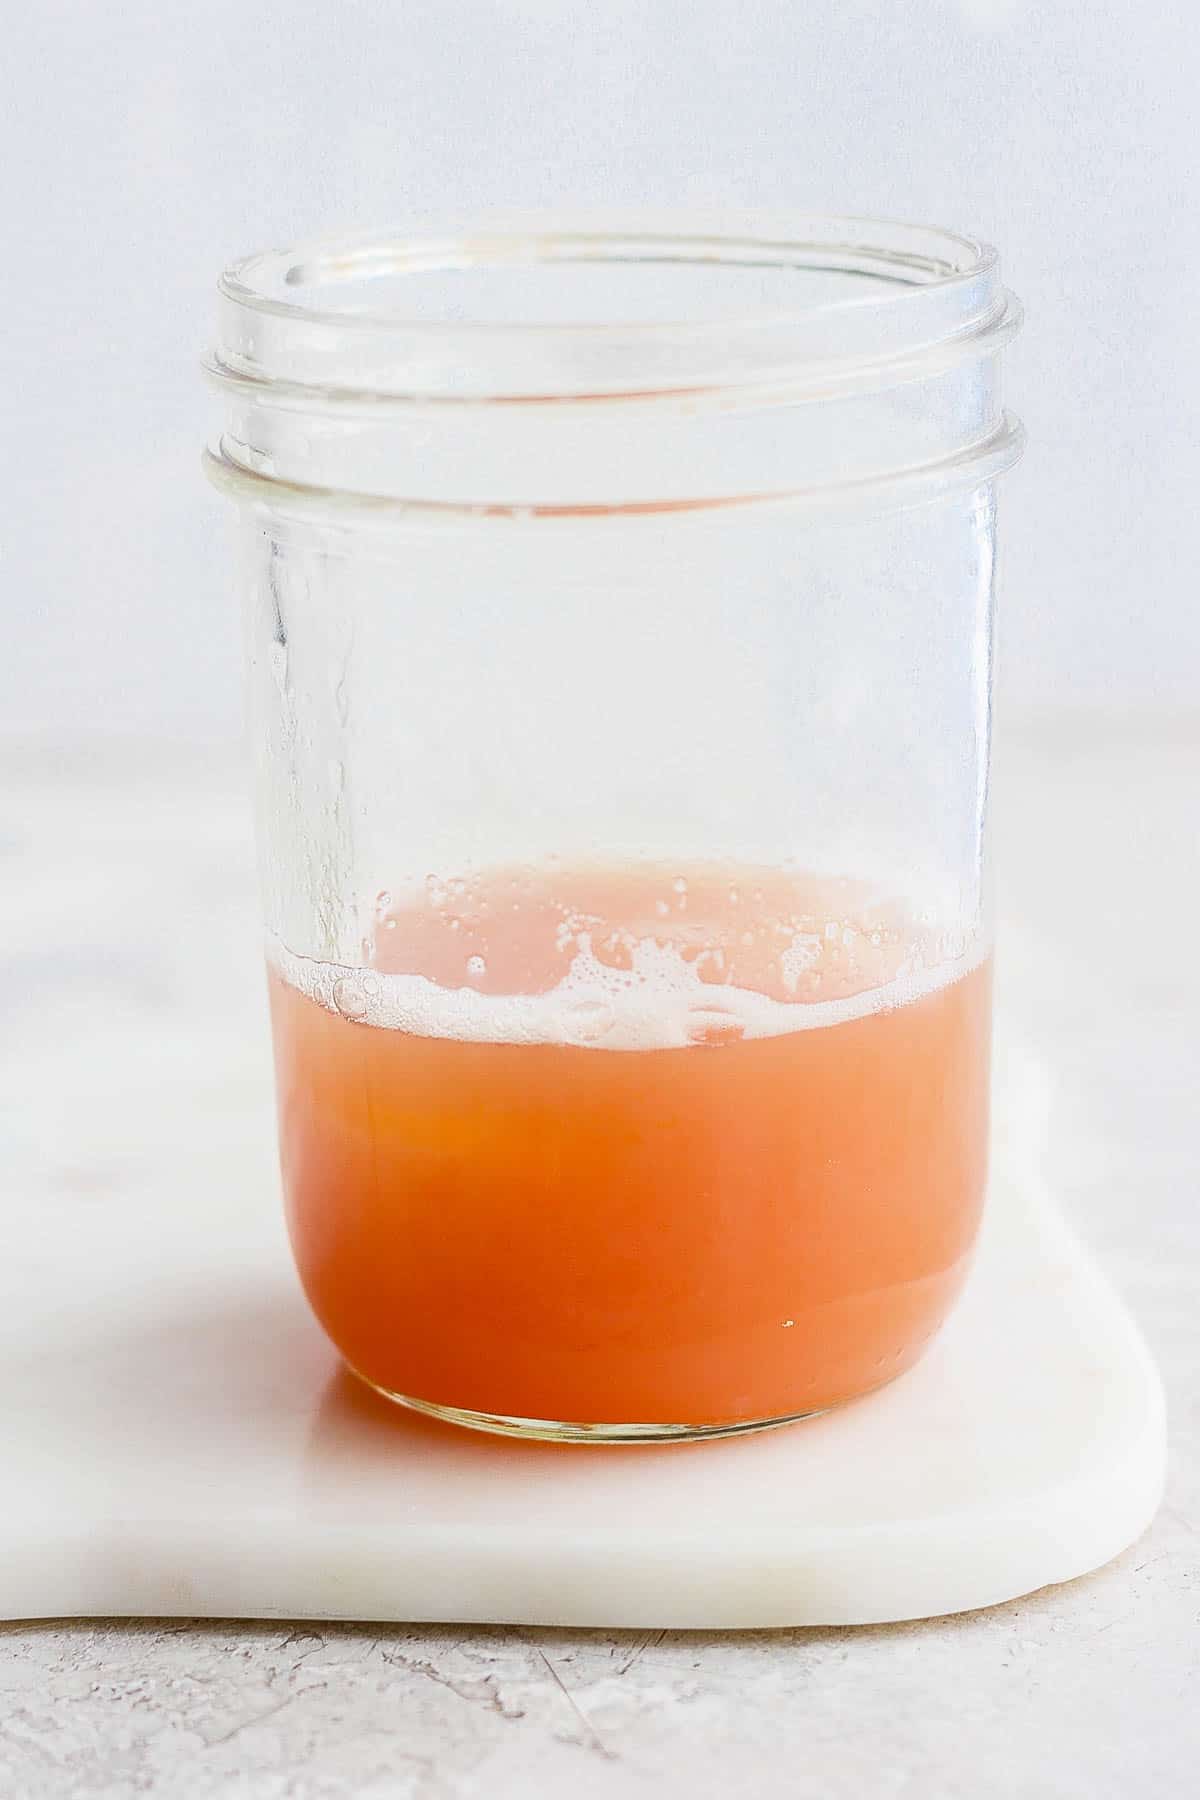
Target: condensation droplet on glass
(383, 903)
(680, 884)
(661, 908)
(476, 965)
(748, 939)
(788, 1323)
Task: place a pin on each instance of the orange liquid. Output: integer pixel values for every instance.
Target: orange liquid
(769, 1212)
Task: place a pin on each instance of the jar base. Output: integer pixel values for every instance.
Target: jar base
(559, 1431)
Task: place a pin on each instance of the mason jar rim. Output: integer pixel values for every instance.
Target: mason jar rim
(296, 320)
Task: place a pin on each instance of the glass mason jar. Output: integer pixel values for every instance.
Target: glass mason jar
(620, 618)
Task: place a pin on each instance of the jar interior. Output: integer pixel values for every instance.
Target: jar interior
(536, 284)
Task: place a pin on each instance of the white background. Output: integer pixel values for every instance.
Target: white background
(143, 145)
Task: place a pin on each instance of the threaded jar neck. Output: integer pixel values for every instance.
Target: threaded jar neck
(554, 370)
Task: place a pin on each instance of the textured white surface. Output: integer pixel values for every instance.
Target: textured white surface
(1077, 1692)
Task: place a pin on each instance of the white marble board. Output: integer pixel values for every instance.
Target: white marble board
(178, 1439)
(177, 1436)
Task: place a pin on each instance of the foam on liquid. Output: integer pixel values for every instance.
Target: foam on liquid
(653, 980)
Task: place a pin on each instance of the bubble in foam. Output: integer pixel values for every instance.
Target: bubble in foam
(350, 997)
(710, 965)
(713, 1025)
(799, 957)
(587, 1021)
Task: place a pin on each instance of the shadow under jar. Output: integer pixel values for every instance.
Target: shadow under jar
(619, 634)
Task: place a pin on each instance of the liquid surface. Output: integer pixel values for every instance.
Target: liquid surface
(644, 1145)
